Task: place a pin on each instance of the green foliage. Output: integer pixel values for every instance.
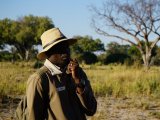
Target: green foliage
(6, 56)
(116, 53)
(88, 44)
(38, 64)
(24, 33)
(134, 53)
(116, 58)
(156, 59)
(89, 58)
(114, 48)
(84, 48)
(101, 58)
(130, 55)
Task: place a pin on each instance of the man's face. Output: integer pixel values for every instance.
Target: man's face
(60, 54)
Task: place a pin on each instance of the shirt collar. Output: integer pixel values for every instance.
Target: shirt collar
(55, 70)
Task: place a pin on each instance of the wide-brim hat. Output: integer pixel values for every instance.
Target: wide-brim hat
(50, 38)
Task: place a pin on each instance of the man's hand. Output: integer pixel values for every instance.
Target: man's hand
(73, 67)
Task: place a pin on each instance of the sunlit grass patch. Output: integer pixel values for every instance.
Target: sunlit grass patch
(124, 81)
(13, 77)
(155, 114)
(110, 80)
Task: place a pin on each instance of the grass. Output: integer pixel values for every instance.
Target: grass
(156, 114)
(124, 81)
(13, 77)
(111, 80)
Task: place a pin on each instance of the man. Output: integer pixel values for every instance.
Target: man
(60, 89)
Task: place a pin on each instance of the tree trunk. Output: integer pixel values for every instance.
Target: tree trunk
(147, 59)
(27, 55)
(20, 56)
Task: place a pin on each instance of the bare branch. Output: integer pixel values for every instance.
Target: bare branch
(121, 28)
(139, 19)
(155, 42)
(115, 36)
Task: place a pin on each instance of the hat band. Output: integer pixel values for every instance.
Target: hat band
(53, 41)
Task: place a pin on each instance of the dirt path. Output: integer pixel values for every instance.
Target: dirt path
(109, 108)
(8, 106)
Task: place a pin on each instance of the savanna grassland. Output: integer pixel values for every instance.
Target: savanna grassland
(123, 92)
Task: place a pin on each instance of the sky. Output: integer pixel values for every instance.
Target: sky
(73, 17)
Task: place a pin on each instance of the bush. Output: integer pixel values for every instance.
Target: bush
(116, 58)
(37, 64)
(89, 58)
(5, 56)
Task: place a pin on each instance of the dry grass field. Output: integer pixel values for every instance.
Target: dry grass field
(122, 92)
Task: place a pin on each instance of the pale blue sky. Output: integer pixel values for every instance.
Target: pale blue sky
(71, 16)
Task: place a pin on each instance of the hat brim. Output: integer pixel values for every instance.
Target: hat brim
(42, 56)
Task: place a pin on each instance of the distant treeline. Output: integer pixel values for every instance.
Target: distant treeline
(22, 36)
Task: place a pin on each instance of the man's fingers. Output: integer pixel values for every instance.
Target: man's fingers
(75, 60)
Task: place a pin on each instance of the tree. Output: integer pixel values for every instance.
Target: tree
(4, 31)
(136, 55)
(24, 33)
(135, 20)
(114, 47)
(157, 57)
(116, 58)
(89, 57)
(87, 43)
(116, 53)
(84, 48)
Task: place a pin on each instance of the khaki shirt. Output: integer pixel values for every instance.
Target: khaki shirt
(51, 95)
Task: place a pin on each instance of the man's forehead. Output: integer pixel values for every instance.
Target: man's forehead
(64, 43)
